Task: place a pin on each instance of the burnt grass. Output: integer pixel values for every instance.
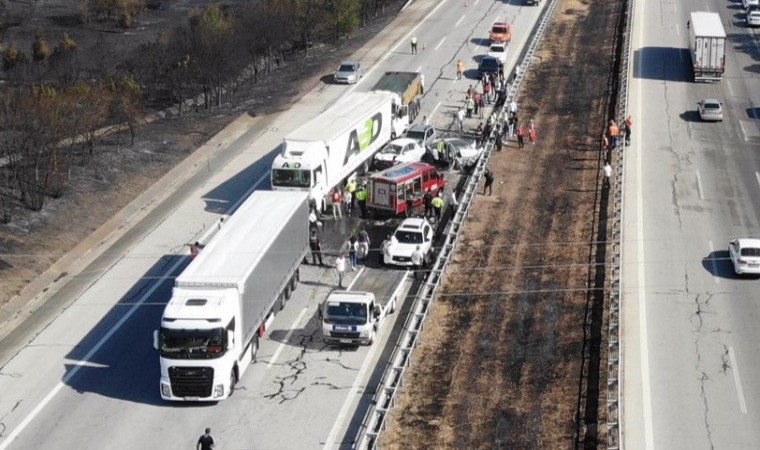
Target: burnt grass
(512, 352)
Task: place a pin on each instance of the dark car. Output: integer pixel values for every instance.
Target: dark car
(488, 65)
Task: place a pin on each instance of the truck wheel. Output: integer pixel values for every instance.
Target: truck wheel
(233, 381)
(393, 307)
(254, 348)
(280, 305)
(294, 280)
(371, 338)
(286, 293)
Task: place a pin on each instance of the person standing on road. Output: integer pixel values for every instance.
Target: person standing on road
(614, 133)
(427, 200)
(353, 247)
(347, 200)
(532, 132)
(316, 248)
(607, 173)
(351, 189)
(418, 258)
(453, 203)
(460, 69)
(437, 206)
(470, 107)
(363, 243)
(487, 92)
(337, 201)
(340, 267)
(206, 441)
(488, 176)
(384, 249)
(513, 107)
(460, 119)
(628, 130)
(361, 197)
(520, 137)
(414, 44)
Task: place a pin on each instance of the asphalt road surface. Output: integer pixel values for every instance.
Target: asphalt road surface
(90, 378)
(690, 325)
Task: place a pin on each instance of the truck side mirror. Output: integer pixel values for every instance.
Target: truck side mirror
(155, 339)
(230, 339)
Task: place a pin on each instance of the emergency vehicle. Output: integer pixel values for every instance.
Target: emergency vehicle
(389, 190)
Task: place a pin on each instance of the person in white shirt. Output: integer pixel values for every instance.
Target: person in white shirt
(340, 266)
(453, 200)
(417, 260)
(607, 173)
(513, 107)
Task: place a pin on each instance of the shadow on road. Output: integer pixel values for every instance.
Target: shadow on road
(663, 63)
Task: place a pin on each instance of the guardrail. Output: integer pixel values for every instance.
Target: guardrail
(615, 356)
(385, 396)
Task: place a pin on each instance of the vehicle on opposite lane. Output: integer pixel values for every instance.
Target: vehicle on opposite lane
(745, 256)
(710, 109)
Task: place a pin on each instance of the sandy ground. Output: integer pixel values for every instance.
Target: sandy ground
(510, 357)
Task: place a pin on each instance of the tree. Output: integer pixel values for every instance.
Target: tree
(40, 48)
(13, 58)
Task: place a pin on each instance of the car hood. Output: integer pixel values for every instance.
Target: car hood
(340, 74)
(399, 249)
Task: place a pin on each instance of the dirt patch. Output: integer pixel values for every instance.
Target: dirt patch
(501, 361)
(118, 174)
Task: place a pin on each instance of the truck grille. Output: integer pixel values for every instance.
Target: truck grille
(191, 381)
(344, 335)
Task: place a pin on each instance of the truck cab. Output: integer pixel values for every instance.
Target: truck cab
(301, 166)
(353, 318)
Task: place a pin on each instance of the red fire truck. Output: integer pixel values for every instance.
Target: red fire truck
(389, 190)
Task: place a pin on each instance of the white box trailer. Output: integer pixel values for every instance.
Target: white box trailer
(323, 152)
(707, 46)
(222, 301)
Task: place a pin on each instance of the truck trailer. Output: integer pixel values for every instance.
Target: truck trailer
(408, 86)
(707, 46)
(323, 152)
(223, 300)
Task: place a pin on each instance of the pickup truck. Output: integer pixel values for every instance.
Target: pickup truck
(353, 318)
(500, 32)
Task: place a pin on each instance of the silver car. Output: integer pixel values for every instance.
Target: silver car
(349, 72)
(461, 152)
(710, 109)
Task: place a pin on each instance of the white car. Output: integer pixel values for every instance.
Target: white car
(710, 109)
(462, 152)
(747, 4)
(410, 234)
(753, 17)
(499, 51)
(399, 151)
(745, 255)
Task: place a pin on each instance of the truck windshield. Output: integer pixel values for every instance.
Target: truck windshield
(346, 313)
(291, 178)
(192, 344)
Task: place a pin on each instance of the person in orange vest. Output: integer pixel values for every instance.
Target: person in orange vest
(613, 132)
(520, 137)
(460, 69)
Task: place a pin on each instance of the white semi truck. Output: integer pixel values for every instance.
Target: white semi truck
(707, 46)
(323, 152)
(223, 301)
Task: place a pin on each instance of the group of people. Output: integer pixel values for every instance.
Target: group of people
(342, 200)
(616, 133)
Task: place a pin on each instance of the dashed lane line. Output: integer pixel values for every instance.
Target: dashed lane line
(737, 380)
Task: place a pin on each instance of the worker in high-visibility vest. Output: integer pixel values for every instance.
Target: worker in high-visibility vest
(437, 206)
(361, 197)
(351, 188)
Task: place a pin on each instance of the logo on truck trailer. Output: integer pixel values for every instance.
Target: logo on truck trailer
(360, 139)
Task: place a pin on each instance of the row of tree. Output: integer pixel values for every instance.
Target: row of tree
(59, 100)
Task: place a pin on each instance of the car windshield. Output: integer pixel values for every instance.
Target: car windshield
(346, 68)
(750, 251)
(192, 344)
(416, 134)
(497, 49)
(712, 105)
(291, 178)
(346, 313)
(501, 29)
(392, 149)
(408, 237)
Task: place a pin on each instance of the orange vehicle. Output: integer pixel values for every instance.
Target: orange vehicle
(389, 189)
(501, 32)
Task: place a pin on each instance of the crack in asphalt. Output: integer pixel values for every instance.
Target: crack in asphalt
(11, 375)
(702, 301)
(297, 366)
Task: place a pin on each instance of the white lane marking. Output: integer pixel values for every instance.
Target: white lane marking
(287, 338)
(475, 2)
(439, 43)
(361, 271)
(419, 69)
(434, 110)
(757, 176)
(460, 20)
(737, 380)
(330, 442)
(730, 90)
(713, 262)
(699, 186)
(645, 380)
(84, 361)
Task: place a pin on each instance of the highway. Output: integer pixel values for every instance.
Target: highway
(690, 328)
(85, 374)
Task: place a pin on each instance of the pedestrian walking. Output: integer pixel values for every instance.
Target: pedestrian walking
(437, 203)
(520, 137)
(453, 203)
(510, 124)
(532, 132)
(418, 259)
(441, 146)
(206, 441)
(460, 69)
(470, 107)
(613, 132)
(513, 107)
(347, 201)
(607, 173)
(628, 130)
(363, 243)
(195, 249)
(353, 248)
(414, 44)
(316, 248)
(337, 202)
(427, 201)
(351, 189)
(498, 144)
(460, 118)
(384, 249)
(488, 176)
(409, 210)
(487, 92)
(340, 267)
(477, 98)
(361, 198)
